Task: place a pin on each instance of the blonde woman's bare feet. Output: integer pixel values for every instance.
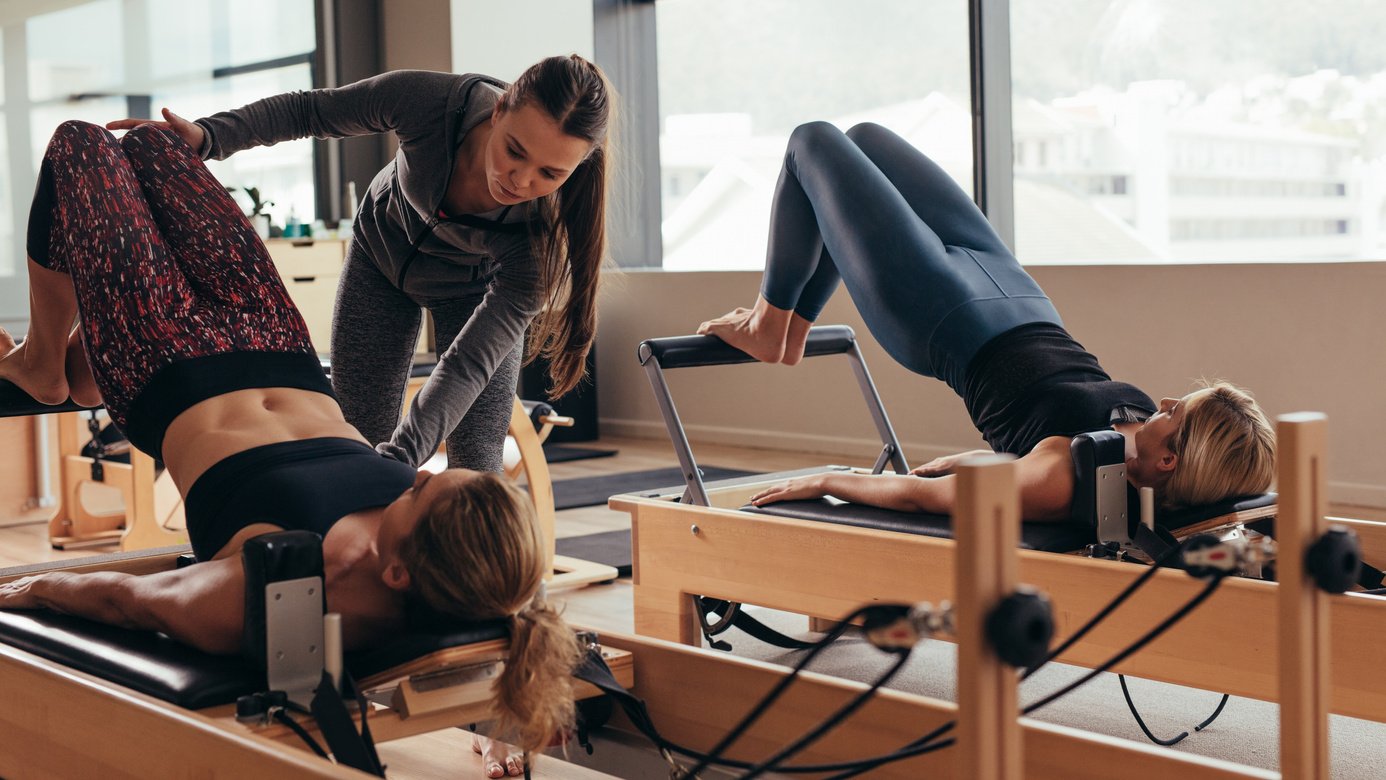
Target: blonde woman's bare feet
(795, 340)
(498, 758)
(46, 383)
(759, 332)
(80, 383)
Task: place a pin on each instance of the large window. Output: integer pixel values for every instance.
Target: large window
(736, 77)
(107, 59)
(1152, 130)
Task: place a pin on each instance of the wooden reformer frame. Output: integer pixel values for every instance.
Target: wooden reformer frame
(65, 723)
(694, 541)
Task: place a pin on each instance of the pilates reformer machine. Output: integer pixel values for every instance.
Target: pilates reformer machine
(151, 500)
(90, 700)
(700, 550)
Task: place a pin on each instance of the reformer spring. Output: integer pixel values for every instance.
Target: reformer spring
(929, 742)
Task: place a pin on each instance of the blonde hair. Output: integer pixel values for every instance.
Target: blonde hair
(1226, 448)
(477, 554)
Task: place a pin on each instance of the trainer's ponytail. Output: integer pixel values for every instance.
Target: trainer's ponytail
(535, 690)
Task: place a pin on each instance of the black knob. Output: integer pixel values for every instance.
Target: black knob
(1020, 628)
(1334, 559)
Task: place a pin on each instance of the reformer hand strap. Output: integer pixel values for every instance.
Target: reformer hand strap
(741, 620)
(349, 747)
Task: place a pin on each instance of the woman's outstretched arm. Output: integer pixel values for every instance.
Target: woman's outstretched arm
(202, 605)
(1044, 475)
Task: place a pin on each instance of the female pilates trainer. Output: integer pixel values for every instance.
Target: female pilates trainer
(491, 213)
(193, 343)
(946, 299)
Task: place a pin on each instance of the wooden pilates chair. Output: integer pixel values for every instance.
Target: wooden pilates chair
(703, 540)
(530, 425)
(120, 703)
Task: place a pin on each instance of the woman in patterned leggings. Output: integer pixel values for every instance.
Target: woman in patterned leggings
(191, 340)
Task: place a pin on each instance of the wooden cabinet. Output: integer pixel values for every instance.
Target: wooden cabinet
(311, 270)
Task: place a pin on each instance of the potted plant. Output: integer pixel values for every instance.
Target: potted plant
(257, 215)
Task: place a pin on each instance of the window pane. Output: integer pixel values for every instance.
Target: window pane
(75, 51)
(736, 77)
(10, 261)
(196, 38)
(283, 172)
(1189, 130)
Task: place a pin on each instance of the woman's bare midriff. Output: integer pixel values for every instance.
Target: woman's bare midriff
(215, 429)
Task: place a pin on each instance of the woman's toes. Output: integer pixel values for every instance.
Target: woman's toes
(515, 765)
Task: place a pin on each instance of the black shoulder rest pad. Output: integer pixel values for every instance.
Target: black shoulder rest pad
(274, 557)
(1091, 451)
(17, 403)
(1044, 536)
(695, 351)
(157, 666)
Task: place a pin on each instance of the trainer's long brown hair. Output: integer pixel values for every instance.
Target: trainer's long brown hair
(569, 233)
(477, 554)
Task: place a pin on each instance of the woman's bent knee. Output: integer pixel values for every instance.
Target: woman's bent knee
(811, 137)
(76, 133)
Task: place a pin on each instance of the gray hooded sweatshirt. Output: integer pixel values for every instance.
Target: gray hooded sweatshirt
(399, 224)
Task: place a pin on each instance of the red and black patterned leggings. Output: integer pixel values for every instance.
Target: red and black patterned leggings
(165, 266)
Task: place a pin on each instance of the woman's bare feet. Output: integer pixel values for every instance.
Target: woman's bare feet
(759, 332)
(44, 380)
(795, 340)
(497, 757)
(80, 383)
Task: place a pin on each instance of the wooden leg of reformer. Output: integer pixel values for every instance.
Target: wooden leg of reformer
(987, 527)
(1304, 608)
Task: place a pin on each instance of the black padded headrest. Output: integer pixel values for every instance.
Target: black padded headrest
(1174, 519)
(155, 665)
(1044, 536)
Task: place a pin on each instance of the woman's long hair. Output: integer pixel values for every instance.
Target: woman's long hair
(477, 554)
(568, 231)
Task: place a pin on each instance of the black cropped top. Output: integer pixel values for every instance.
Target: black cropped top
(303, 485)
(1035, 381)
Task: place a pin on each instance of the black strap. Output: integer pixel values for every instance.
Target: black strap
(356, 750)
(739, 619)
(1370, 577)
(593, 670)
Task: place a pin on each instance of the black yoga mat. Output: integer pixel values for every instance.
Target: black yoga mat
(562, 453)
(611, 548)
(592, 491)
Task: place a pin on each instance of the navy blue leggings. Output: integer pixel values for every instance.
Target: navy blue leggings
(930, 277)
